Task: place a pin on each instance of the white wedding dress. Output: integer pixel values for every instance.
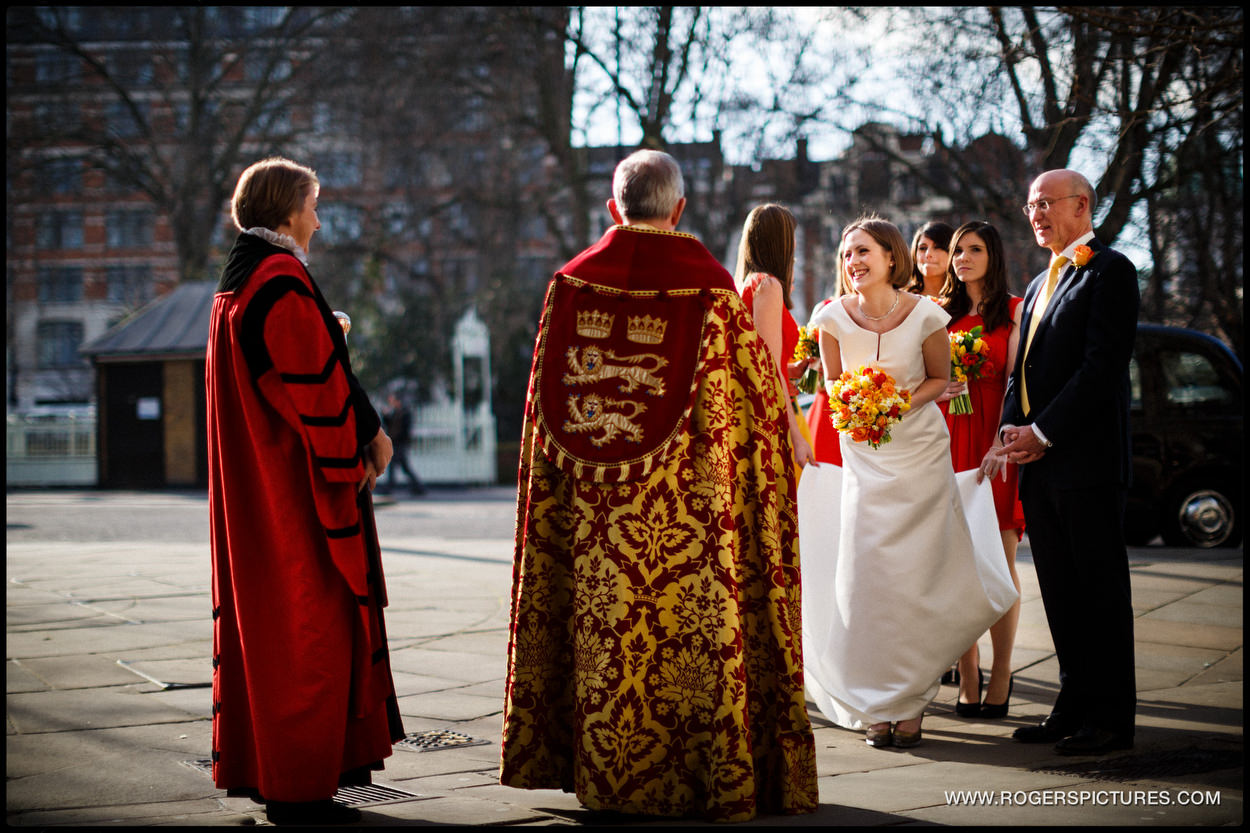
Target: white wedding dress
(894, 589)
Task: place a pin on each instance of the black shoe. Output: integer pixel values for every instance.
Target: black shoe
(951, 677)
(1093, 742)
(997, 711)
(1050, 730)
(310, 813)
(971, 709)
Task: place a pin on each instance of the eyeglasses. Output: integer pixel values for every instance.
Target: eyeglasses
(1043, 205)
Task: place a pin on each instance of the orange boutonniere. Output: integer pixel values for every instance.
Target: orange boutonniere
(1082, 256)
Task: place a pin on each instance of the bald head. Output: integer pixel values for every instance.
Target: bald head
(1069, 212)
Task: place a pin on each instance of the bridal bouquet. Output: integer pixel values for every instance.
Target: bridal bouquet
(807, 348)
(970, 359)
(864, 404)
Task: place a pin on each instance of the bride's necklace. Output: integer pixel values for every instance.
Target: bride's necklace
(897, 295)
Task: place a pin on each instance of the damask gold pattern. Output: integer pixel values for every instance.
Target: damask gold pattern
(655, 660)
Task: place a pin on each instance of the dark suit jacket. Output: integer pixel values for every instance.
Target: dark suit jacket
(1077, 370)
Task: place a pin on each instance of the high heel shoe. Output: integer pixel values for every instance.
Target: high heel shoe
(951, 677)
(972, 709)
(906, 740)
(997, 711)
(879, 736)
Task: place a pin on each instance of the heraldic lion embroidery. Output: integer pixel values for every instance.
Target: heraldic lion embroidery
(595, 365)
(591, 416)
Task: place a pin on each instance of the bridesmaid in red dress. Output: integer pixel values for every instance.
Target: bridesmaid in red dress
(765, 275)
(975, 294)
(930, 258)
(825, 442)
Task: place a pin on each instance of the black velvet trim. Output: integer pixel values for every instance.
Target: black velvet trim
(329, 421)
(344, 532)
(312, 378)
(252, 331)
(337, 462)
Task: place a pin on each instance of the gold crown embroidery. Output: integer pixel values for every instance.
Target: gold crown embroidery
(646, 330)
(594, 324)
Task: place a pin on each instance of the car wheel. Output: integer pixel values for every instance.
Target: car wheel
(1200, 517)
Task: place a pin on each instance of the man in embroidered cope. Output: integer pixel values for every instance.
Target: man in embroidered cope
(655, 659)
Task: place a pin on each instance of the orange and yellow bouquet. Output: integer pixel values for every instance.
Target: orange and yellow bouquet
(970, 359)
(807, 348)
(865, 403)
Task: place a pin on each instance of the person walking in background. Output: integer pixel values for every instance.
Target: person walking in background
(654, 659)
(303, 699)
(1065, 421)
(398, 421)
(893, 589)
(765, 277)
(930, 255)
(975, 295)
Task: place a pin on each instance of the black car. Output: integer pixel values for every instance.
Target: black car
(1187, 440)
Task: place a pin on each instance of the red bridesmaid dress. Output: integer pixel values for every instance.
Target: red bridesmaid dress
(973, 434)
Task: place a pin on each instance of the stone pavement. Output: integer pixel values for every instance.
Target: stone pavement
(109, 639)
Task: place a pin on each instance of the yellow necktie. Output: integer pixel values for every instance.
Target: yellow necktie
(1039, 309)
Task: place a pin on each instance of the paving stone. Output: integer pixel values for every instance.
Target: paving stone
(61, 711)
(448, 624)
(1199, 613)
(72, 672)
(1196, 635)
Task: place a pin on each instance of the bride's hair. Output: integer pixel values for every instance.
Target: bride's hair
(890, 239)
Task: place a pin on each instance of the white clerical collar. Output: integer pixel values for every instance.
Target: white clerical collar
(284, 241)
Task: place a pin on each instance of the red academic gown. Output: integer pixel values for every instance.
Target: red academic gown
(302, 688)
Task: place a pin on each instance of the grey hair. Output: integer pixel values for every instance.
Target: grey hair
(647, 185)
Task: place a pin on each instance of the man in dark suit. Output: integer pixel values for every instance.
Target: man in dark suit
(1066, 418)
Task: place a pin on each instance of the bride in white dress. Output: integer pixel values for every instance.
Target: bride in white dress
(893, 587)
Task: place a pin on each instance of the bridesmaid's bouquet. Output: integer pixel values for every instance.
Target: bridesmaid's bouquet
(807, 348)
(864, 404)
(970, 359)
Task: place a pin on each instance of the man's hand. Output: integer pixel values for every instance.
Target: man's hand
(1022, 445)
(377, 456)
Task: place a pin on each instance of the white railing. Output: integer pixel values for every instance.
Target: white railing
(448, 447)
(50, 451)
(453, 446)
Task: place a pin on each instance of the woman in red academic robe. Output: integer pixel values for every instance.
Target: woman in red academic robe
(303, 699)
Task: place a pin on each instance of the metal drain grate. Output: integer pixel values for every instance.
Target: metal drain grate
(436, 739)
(364, 795)
(369, 795)
(1153, 765)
